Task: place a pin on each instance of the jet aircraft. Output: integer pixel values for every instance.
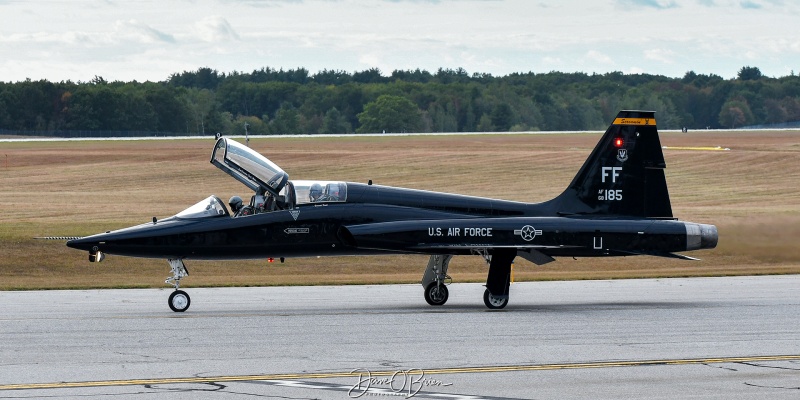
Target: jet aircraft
(617, 205)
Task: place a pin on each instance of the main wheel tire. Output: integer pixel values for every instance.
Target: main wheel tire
(179, 301)
(494, 303)
(436, 294)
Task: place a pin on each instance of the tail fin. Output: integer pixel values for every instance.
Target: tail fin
(624, 175)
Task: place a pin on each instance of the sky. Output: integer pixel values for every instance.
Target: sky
(149, 40)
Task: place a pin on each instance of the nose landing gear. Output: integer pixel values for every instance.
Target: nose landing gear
(179, 300)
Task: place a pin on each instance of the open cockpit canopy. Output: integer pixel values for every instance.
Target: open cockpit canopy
(249, 167)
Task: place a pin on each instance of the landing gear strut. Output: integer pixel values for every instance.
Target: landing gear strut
(435, 280)
(497, 282)
(179, 300)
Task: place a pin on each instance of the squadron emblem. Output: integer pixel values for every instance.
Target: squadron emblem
(622, 155)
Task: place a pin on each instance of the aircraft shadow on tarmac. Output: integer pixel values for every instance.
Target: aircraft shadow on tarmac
(450, 309)
(588, 306)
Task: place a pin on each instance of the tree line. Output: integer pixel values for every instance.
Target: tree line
(275, 102)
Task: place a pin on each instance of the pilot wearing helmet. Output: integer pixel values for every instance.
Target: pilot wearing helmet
(236, 204)
(238, 208)
(315, 193)
(333, 192)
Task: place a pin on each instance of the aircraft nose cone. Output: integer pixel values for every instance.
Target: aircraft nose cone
(82, 244)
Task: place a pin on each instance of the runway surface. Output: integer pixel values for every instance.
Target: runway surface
(708, 338)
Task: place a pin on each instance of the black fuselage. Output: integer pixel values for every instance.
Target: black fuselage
(617, 204)
(379, 219)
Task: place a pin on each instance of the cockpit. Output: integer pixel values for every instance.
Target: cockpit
(271, 185)
(210, 207)
(307, 192)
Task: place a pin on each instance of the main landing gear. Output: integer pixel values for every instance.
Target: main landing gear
(499, 279)
(179, 300)
(495, 296)
(435, 280)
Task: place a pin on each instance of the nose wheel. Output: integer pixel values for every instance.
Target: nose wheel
(179, 301)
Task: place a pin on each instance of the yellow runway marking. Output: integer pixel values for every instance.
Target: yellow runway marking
(326, 375)
(708, 148)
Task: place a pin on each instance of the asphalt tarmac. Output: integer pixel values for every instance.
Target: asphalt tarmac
(706, 338)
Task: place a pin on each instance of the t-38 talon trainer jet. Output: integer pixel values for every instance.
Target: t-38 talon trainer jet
(617, 205)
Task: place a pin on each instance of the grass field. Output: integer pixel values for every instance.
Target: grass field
(752, 193)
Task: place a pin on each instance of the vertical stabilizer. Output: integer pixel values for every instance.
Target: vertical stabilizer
(624, 175)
